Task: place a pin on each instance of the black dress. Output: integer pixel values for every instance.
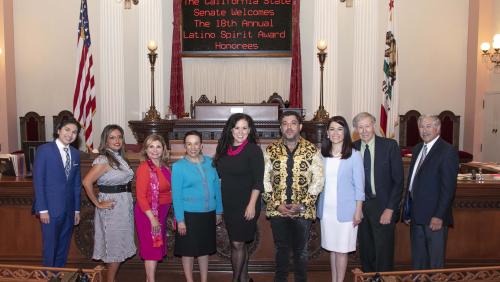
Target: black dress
(240, 174)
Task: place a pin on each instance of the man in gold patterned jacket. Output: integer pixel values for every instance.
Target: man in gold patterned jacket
(293, 178)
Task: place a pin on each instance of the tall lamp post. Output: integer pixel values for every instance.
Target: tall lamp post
(152, 114)
(321, 114)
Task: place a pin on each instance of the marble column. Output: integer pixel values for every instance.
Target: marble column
(326, 28)
(111, 95)
(8, 109)
(367, 59)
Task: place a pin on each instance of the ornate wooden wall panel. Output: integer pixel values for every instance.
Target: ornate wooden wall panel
(472, 241)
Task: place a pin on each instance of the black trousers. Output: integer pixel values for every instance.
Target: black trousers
(376, 241)
(291, 234)
(428, 248)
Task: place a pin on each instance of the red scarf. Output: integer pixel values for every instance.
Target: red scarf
(154, 186)
(231, 152)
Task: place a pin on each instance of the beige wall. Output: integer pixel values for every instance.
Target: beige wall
(432, 54)
(45, 34)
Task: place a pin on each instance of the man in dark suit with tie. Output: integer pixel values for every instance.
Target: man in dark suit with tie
(432, 180)
(57, 184)
(383, 190)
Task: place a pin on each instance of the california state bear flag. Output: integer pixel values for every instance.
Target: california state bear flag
(390, 98)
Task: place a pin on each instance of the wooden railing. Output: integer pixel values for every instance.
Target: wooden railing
(468, 274)
(37, 273)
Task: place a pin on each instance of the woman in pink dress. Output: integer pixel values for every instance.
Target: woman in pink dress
(154, 197)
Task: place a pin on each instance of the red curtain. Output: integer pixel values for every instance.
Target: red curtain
(296, 74)
(176, 80)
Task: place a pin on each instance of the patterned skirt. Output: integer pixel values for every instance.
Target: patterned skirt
(114, 229)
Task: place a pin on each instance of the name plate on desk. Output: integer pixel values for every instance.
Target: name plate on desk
(223, 111)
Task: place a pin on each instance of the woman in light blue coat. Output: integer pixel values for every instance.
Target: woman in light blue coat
(339, 205)
(197, 206)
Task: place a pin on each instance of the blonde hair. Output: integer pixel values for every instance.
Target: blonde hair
(150, 139)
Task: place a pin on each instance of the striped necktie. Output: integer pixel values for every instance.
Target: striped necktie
(420, 162)
(422, 158)
(67, 164)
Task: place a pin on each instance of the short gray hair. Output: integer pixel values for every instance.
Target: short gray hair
(435, 120)
(361, 116)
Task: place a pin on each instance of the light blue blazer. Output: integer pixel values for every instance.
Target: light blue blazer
(350, 187)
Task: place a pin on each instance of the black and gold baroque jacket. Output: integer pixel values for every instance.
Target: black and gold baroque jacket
(307, 177)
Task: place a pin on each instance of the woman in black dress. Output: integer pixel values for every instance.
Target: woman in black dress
(240, 164)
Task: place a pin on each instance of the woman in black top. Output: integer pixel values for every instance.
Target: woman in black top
(240, 164)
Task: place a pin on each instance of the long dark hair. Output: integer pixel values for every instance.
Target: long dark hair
(103, 148)
(226, 139)
(326, 145)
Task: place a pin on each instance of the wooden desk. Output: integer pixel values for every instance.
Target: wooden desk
(258, 112)
(485, 167)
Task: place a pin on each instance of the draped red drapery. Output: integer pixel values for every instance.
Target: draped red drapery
(296, 73)
(176, 80)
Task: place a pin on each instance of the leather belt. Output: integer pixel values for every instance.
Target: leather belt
(115, 188)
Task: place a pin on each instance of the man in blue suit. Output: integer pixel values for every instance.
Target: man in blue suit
(57, 184)
(432, 181)
(383, 189)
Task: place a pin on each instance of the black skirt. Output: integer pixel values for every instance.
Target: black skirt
(238, 228)
(200, 235)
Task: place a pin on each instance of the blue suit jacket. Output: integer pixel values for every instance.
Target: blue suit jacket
(388, 174)
(434, 185)
(53, 191)
(350, 188)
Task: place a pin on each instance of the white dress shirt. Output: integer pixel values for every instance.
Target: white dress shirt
(429, 146)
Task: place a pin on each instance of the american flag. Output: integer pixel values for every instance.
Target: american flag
(84, 96)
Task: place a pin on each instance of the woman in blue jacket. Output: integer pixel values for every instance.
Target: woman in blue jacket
(197, 206)
(339, 206)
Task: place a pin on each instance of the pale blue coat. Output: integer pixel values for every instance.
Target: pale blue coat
(350, 187)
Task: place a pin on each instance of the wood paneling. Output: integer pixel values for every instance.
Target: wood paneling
(472, 241)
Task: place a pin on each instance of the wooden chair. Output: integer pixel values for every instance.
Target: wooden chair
(450, 128)
(408, 129)
(202, 100)
(29, 149)
(32, 127)
(277, 99)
